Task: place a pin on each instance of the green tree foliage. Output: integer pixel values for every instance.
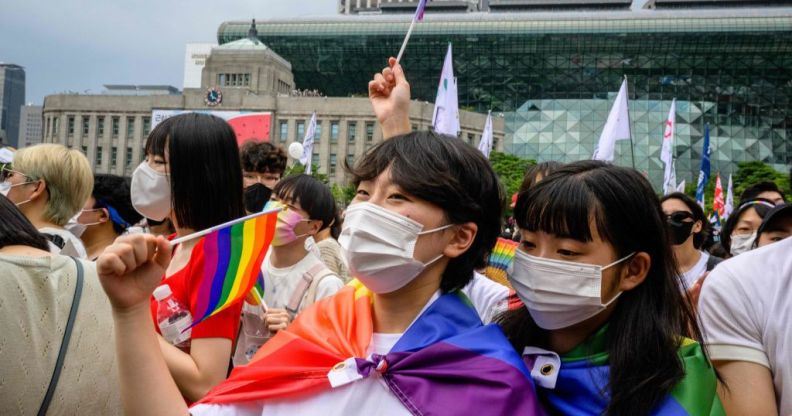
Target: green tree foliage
(748, 173)
(511, 170)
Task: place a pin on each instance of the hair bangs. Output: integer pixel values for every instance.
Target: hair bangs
(564, 207)
(157, 140)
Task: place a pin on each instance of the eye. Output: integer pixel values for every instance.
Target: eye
(398, 196)
(565, 252)
(527, 245)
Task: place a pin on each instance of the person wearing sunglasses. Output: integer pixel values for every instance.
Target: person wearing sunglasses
(49, 184)
(688, 229)
(107, 214)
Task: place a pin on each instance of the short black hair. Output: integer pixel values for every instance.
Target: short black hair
(753, 191)
(450, 174)
(16, 229)
(698, 215)
(313, 196)
(111, 191)
(205, 174)
(262, 157)
(534, 172)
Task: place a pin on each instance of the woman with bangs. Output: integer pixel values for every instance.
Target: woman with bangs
(604, 323)
(400, 339)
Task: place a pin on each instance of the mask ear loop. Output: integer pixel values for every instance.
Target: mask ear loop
(619, 261)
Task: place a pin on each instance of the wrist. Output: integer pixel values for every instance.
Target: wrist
(395, 126)
(131, 313)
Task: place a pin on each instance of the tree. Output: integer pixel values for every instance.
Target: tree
(749, 173)
(510, 169)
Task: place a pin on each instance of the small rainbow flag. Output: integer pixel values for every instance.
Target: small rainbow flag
(500, 260)
(232, 258)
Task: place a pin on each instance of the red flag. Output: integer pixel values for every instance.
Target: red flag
(717, 203)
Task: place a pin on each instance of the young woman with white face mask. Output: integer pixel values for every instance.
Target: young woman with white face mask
(402, 339)
(604, 320)
(192, 176)
(739, 232)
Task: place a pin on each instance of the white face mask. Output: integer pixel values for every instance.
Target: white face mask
(150, 192)
(558, 293)
(379, 247)
(77, 228)
(5, 188)
(741, 243)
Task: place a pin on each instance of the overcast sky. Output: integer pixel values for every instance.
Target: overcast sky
(79, 45)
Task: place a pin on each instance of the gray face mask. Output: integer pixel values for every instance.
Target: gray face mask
(741, 243)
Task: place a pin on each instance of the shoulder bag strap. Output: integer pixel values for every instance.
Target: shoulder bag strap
(65, 343)
(302, 287)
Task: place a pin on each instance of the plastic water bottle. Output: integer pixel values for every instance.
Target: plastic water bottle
(173, 317)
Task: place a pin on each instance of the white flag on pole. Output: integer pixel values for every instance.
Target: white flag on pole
(446, 112)
(308, 140)
(616, 128)
(729, 206)
(485, 145)
(667, 152)
(681, 187)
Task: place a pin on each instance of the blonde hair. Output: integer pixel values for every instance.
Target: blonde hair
(66, 173)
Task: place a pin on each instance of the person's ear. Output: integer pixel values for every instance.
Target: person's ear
(314, 227)
(697, 226)
(39, 190)
(104, 215)
(464, 235)
(635, 271)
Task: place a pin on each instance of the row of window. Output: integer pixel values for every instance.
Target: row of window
(233, 80)
(113, 156)
(53, 126)
(283, 131)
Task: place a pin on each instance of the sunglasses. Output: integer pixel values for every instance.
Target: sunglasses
(679, 217)
(6, 172)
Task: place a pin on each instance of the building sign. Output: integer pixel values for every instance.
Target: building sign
(247, 125)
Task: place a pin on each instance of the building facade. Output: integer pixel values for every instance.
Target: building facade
(30, 129)
(554, 74)
(111, 128)
(12, 98)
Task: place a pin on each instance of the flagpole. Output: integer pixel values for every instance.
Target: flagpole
(629, 123)
(221, 226)
(406, 39)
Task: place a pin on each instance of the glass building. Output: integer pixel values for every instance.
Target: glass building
(554, 75)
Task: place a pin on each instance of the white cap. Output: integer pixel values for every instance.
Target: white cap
(162, 292)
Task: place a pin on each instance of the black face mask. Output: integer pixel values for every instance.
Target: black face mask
(680, 231)
(256, 196)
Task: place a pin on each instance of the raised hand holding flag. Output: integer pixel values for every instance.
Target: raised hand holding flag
(417, 17)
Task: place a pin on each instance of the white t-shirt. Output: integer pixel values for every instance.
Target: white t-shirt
(280, 283)
(690, 276)
(367, 396)
(74, 246)
(490, 298)
(746, 311)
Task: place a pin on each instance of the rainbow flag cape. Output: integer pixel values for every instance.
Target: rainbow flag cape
(500, 259)
(447, 362)
(232, 259)
(582, 384)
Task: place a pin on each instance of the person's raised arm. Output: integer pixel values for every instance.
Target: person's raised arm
(129, 271)
(389, 93)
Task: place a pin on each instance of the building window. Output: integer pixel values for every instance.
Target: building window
(351, 131)
(332, 165)
(116, 121)
(470, 138)
(284, 131)
(130, 122)
(113, 156)
(57, 126)
(84, 150)
(128, 157)
(100, 122)
(334, 132)
(300, 130)
(98, 156)
(233, 80)
(71, 126)
(318, 132)
(369, 132)
(146, 125)
(84, 122)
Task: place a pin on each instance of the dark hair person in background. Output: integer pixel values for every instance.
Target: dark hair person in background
(739, 233)
(601, 290)
(32, 327)
(107, 214)
(263, 165)
(192, 176)
(537, 172)
(688, 228)
(765, 190)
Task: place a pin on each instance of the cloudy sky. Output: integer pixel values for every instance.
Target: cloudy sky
(79, 45)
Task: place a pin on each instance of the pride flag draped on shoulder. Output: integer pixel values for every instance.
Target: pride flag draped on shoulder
(446, 362)
(232, 258)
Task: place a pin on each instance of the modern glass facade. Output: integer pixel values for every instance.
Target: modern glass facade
(554, 76)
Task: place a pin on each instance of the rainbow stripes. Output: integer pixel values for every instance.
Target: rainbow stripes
(500, 260)
(232, 263)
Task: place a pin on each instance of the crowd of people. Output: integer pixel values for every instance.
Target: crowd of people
(616, 302)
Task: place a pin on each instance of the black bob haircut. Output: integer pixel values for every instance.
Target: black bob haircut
(262, 157)
(760, 205)
(16, 229)
(698, 215)
(205, 175)
(313, 196)
(450, 174)
(649, 321)
(113, 191)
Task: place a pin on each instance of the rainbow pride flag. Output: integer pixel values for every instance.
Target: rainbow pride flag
(446, 362)
(582, 383)
(500, 259)
(232, 263)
